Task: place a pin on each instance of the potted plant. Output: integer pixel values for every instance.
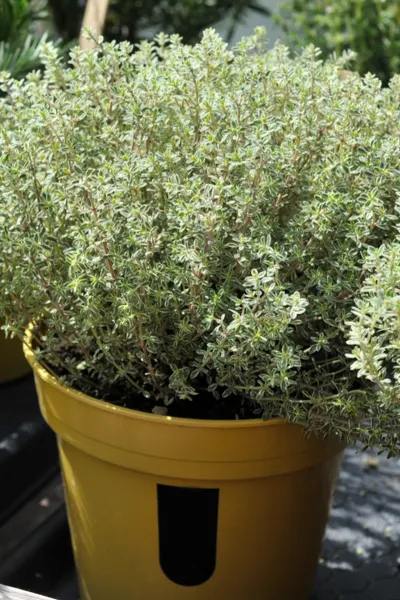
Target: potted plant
(201, 245)
(13, 364)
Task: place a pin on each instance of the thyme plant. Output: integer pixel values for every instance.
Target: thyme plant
(185, 223)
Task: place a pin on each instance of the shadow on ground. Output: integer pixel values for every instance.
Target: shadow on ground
(361, 554)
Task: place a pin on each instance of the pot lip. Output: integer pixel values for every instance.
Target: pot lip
(107, 407)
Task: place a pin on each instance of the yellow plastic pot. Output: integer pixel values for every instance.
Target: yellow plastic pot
(163, 508)
(13, 364)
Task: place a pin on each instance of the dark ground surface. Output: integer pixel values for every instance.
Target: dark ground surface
(361, 555)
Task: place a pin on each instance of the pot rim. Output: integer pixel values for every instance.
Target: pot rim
(107, 407)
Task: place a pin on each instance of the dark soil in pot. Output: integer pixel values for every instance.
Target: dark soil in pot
(204, 405)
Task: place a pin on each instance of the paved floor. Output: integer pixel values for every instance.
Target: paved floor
(361, 555)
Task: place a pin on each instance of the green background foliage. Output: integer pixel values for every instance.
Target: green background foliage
(371, 28)
(194, 221)
(19, 42)
(132, 20)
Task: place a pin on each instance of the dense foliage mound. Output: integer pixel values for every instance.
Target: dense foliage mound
(192, 222)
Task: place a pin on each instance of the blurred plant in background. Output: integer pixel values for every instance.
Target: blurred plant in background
(134, 20)
(369, 27)
(20, 37)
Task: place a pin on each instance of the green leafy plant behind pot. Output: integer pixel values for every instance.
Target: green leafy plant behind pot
(369, 27)
(19, 44)
(208, 233)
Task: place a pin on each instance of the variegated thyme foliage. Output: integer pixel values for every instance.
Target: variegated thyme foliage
(182, 219)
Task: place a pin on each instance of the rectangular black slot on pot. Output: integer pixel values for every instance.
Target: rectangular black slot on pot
(187, 533)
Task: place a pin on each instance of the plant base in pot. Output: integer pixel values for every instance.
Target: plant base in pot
(183, 509)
